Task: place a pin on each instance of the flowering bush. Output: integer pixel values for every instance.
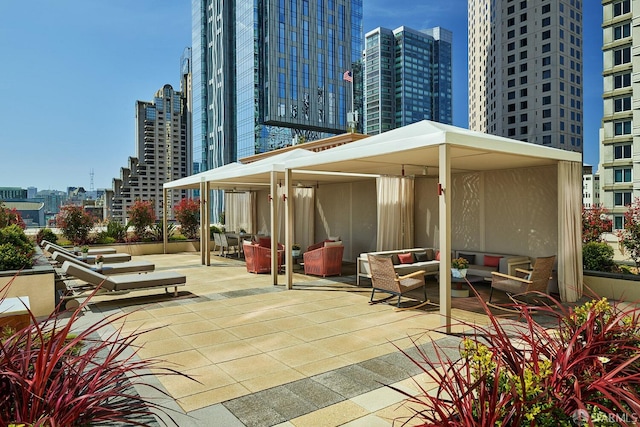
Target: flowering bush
(187, 213)
(141, 217)
(594, 223)
(629, 237)
(512, 373)
(10, 216)
(76, 223)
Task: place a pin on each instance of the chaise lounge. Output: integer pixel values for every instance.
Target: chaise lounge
(108, 258)
(94, 251)
(108, 269)
(119, 284)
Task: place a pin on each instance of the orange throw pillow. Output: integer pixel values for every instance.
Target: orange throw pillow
(406, 258)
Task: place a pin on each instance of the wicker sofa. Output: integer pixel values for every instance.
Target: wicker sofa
(421, 259)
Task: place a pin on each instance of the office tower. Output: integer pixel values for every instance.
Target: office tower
(267, 71)
(619, 183)
(163, 153)
(525, 70)
(407, 76)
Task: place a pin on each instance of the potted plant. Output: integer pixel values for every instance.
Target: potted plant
(85, 252)
(99, 262)
(459, 267)
(295, 250)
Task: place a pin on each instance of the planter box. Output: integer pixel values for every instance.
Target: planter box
(614, 286)
(153, 248)
(37, 283)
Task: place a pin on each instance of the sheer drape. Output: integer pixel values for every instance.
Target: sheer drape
(240, 211)
(570, 231)
(303, 215)
(395, 212)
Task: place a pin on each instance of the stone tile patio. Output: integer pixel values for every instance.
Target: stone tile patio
(261, 355)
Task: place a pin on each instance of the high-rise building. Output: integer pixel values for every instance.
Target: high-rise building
(590, 187)
(525, 70)
(407, 75)
(620, 185)
(267, 71)
(163, 154)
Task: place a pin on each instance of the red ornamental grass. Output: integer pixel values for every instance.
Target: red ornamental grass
(518, 372)
(53, 375)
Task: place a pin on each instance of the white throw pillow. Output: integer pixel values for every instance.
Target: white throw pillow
(337, 243)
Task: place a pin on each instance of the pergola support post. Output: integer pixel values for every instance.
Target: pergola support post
(444, 198)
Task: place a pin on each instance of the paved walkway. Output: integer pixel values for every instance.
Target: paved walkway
(318, 355)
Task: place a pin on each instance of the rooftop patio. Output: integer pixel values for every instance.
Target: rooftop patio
(320, 355)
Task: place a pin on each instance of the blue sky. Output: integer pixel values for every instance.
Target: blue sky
(73, 69)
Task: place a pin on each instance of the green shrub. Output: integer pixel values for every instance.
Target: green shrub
(178, 237)
(14, 235)
(216, 228)
(156, 232)
(117, 231)
(12, 258)
(597, 256)
(103, 239)
(46, 234)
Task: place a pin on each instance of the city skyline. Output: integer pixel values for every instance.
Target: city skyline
(78, 71)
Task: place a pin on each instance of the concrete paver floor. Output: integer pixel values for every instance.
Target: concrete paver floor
(317, 355)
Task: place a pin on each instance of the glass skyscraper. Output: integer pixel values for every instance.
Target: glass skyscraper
(407, 75)
(267, 71)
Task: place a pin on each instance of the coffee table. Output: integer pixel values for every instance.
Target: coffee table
(464, 291)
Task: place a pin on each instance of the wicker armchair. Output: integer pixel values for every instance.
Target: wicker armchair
(525, 281)
(324, 261)
(385, 279)
(258, 258)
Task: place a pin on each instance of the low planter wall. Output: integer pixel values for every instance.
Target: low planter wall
(614, 286)
(37, 283)
(152, 248)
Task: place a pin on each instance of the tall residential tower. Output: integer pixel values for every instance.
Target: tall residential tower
(267, 71)
(407, 75)
(619, 181)
(525, 70)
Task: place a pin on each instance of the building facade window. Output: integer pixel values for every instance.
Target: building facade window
(622, 198)
(622, 56)
(622, 151)
(622, 127)
(621, 7)
(622, 175)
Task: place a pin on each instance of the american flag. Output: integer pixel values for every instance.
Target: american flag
(347, 76)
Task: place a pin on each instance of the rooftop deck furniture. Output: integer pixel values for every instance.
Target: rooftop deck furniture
(385, 279)
(94, 251)
(120, 283)
(91, 259)
(325, 260)
(108, 269)
(258, 257)
(525, 281)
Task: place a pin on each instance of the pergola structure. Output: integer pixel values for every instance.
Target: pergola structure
(519, 191)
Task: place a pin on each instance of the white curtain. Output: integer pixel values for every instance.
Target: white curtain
(303, 215)
(239, 211)
(395, 212)
(570, 231)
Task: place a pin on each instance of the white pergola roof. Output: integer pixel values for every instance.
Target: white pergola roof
(241, 176)
(416, 147)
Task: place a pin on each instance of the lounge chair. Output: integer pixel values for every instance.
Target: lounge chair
(91, 259)
(94, 251)
(108, 269)
(525, 281)
(385, 279)
(118, 284)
